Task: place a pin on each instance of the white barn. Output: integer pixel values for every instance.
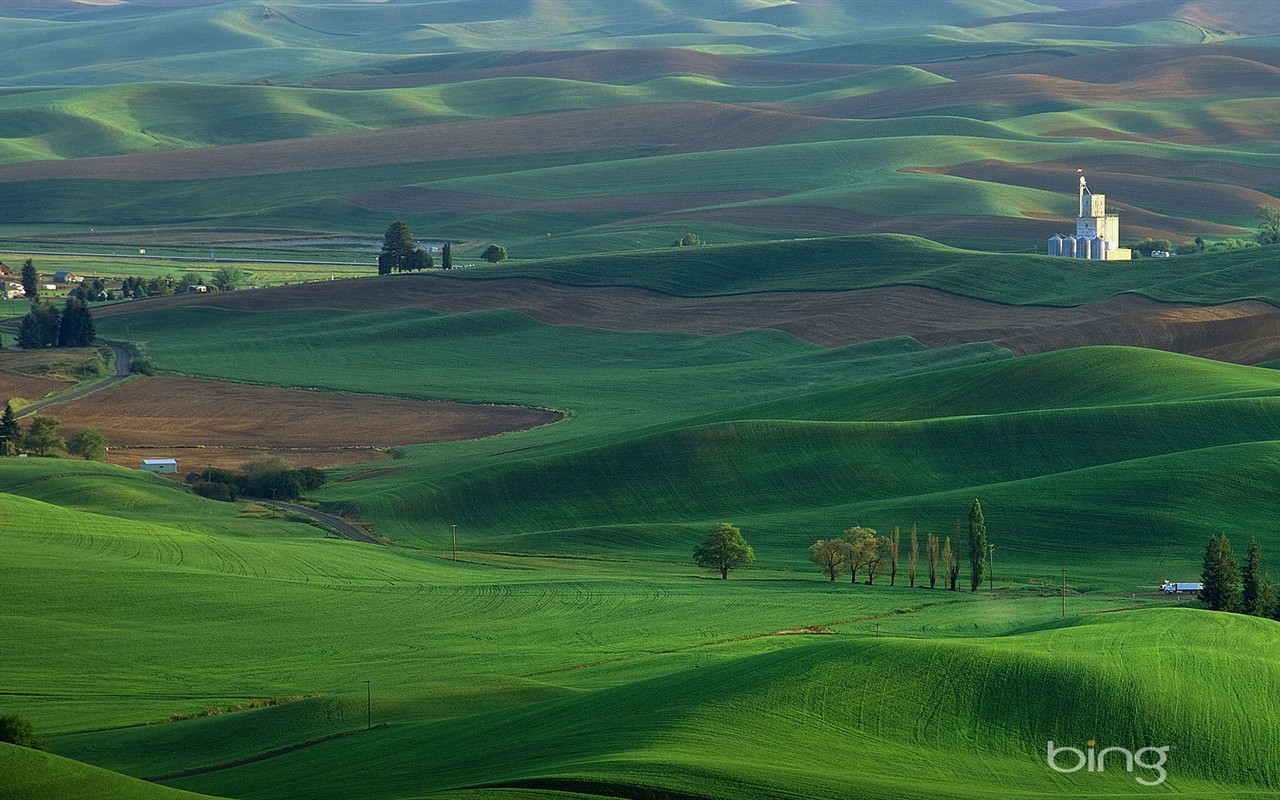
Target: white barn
(160, 466)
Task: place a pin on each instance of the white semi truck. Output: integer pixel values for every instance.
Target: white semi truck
(1180, 588)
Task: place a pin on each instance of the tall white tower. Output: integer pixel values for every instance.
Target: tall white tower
(1093, 222)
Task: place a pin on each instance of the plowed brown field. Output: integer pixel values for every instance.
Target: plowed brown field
(167, 417)
(1245, 332)
(673, 127)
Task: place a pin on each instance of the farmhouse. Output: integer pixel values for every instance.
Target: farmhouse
(160, 466)
(12, 291)
(1097, 232)
(67, 277)
(5, 271)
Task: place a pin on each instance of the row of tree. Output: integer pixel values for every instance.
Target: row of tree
(725, 550)
(861, 547)
(46, 326)
(1226, 588)
(400, 252)
(42, 438)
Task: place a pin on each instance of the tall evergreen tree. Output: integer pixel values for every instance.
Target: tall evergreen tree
(446, 256)
(10, 433)
(977, 546)
(30, 280)
(1221, 580)
(1253, 580)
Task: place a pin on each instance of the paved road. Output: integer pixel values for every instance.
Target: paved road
(123, 361)
(344, 528)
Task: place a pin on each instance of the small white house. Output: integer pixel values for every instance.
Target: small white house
(160, 466)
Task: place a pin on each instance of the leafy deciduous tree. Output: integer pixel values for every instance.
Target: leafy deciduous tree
(723, 550)
(19, 730)
(1268, 225)
(494, 253)
(830, 554)
(856, 539)
(89, 444)
(228, 279)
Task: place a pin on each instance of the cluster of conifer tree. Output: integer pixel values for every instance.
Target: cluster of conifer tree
(1228, 588)
(46, 326)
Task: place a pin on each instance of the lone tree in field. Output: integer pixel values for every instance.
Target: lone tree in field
(89, 444)
(1268, 225)
(30, 280)
(977, 546)
(931, 551)
(831, 555)
(446, 256)
(494, 253)
(688, 240)
(1221, 590)
(723, 550)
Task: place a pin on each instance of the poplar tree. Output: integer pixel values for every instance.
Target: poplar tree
(977, 546)
(913, 557)
(894, 544)
(931, 552)
(10, 433)
(951, 563)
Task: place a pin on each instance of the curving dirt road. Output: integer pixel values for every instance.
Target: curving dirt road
(344, 528)
(124, 360)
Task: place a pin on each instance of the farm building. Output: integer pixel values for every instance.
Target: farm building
(1097, 232)
(12, 291)
(160, 466)
(198, 288)
(66, 277)
(5, 271)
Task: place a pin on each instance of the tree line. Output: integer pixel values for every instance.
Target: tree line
(1228, 588)
(861, 548)
(263, 476)
(43, 439)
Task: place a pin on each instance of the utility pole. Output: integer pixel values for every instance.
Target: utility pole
(453, 529)
(368, 705)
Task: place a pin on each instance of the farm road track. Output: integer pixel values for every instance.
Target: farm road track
(123, 362)
(344, 528)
